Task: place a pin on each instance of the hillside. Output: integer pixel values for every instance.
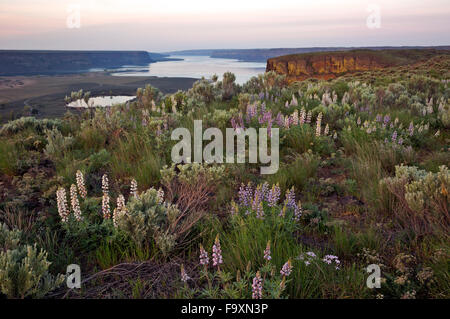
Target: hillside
(329, 65)
(17, 62)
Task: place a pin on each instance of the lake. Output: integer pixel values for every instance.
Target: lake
(196, 67)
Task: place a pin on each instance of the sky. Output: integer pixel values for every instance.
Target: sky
(161, 26)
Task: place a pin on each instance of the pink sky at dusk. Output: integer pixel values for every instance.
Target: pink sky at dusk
(175, 25)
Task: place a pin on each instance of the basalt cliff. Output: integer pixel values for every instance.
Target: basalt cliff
(329, 65)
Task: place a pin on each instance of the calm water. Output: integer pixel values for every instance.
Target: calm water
(196, 67)
(102, 101)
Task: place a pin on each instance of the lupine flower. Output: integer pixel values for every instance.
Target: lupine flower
(204, 260)
(260, 211)
(105, 199)
(217, 253)
(295, 117)
(286, 269)
(298, 211)
(318, 124)
(379, 118)
(134, 190)
(400, 141)
(290, 198)
(160, 196)
(264, 190)
(327, 130)
(394, 136)
(387, 119)
(245, 194)
(74, 202)
(80, 184)
(105, 184)
(309, 117)
(273, 195)
(184, 275)
(257, 286)
(302, 116)
(280, 119)
(267, 252)
(61, 200)
(120, 202)
(105, 207)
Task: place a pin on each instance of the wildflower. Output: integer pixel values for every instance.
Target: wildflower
(318, 124)
(105, 199)
(134, 190)
(120, 202)
(295, 117)
(394, 136)
(308, 117)
(327, 130)
(298, 211)
(260, 211)
(274, 195)
(184, 275)
(105, 207)
(245, 194)
(411, 129)
(105, 184)
(217, 253)
(290, 198)
(160, 196)
(74, 202)
(329, 259)
(286, 269)
(257, 287)
(302, 116)
(61, 200)
(204, 260)
(80, 184)
(335, 135)
(267, 252)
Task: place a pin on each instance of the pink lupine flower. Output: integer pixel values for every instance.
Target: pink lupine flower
(273, 195)
(217, 253)
(134, 188)
(80, 184)
(286, 269)
(204, 260)
(257, 286)
(74, 202)
(61, 201)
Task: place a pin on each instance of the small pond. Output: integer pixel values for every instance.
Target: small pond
(102, 101)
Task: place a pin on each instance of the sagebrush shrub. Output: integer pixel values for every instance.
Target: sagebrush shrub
(23, 268)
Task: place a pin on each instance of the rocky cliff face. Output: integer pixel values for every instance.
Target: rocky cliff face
(328, 65)
(324, 66)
